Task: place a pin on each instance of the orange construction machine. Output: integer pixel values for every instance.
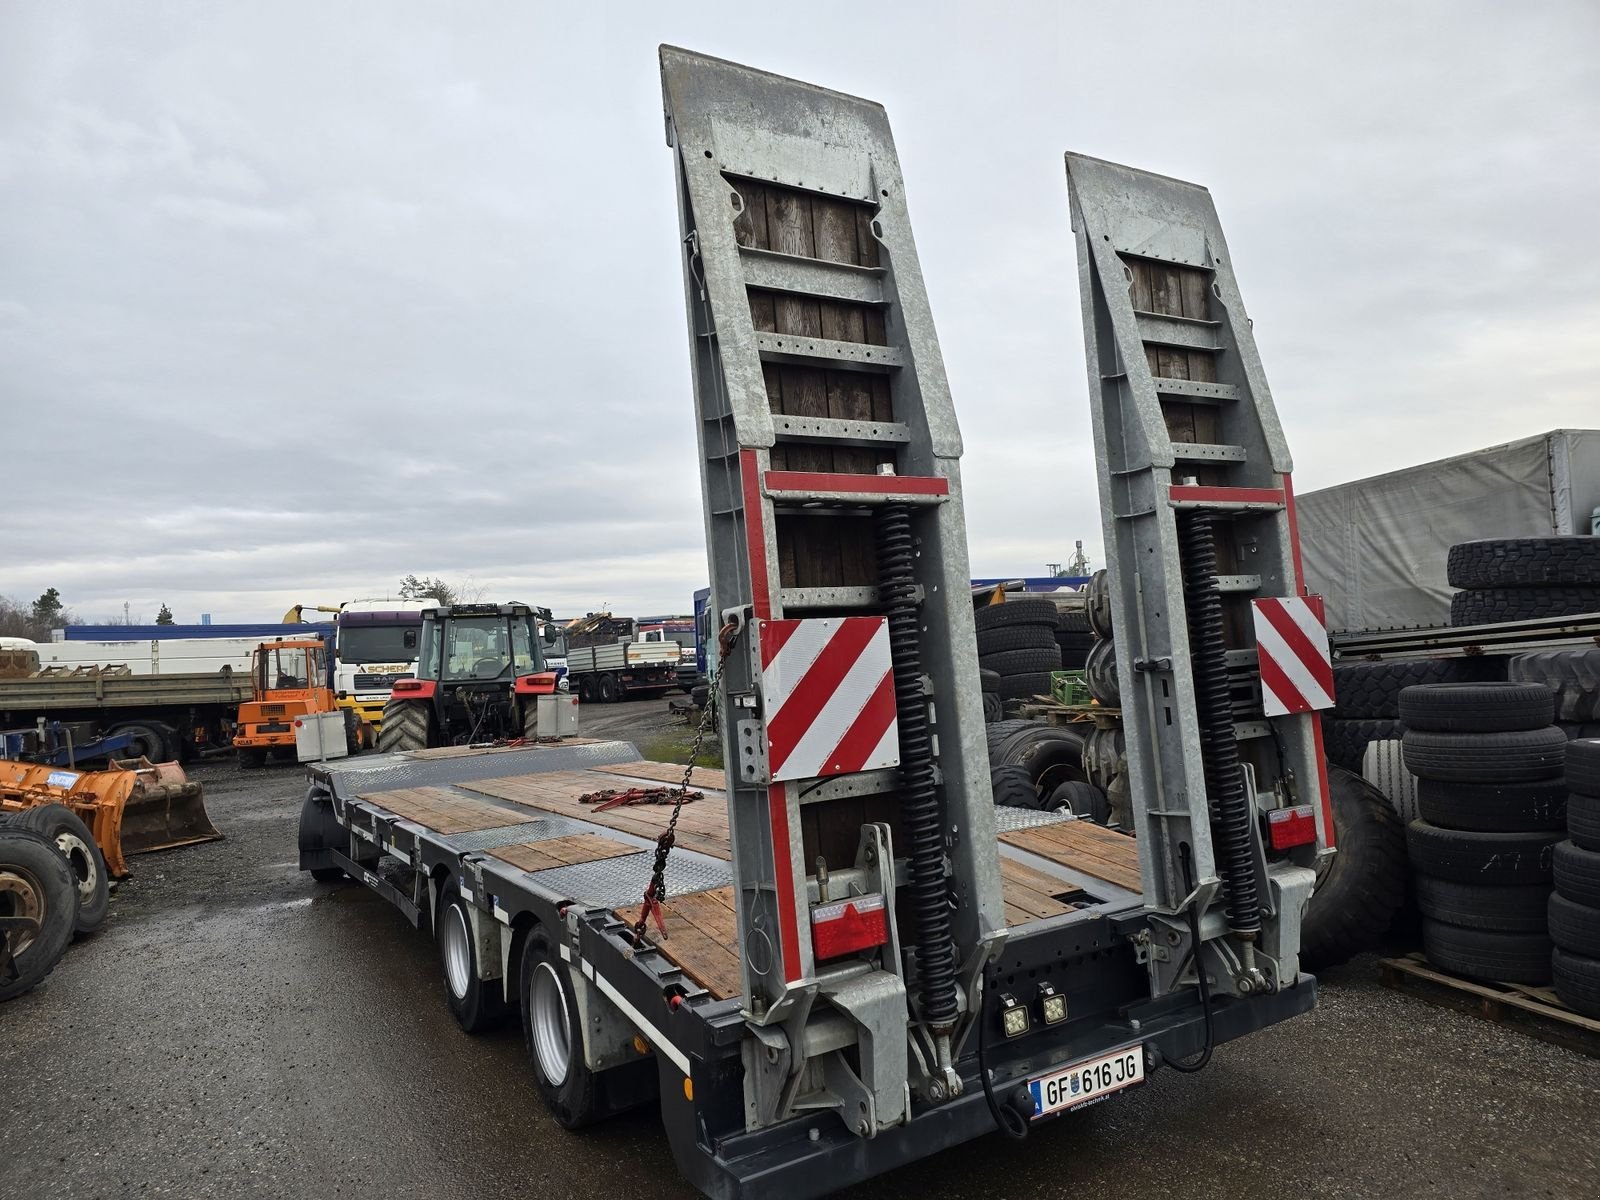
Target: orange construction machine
(290, 681)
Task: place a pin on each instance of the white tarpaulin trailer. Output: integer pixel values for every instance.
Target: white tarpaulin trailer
(1376, 548)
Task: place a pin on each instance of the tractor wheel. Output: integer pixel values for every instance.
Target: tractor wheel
(405, 726)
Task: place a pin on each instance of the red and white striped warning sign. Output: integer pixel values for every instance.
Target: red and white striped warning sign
(1292, 648)
(829, 697)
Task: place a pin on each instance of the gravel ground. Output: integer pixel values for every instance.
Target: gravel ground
(238, 1031)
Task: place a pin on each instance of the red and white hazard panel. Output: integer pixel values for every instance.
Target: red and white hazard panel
(1292, 647)
(829, 696)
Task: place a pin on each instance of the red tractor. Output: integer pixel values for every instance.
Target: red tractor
(480, 670)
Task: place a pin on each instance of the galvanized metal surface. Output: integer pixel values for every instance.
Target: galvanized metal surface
(385, 772)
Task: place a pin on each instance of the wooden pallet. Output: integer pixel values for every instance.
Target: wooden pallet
(1534, 1010)
(1048, 709)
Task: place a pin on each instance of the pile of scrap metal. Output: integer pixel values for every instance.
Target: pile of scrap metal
(64, 834)
(599, 629)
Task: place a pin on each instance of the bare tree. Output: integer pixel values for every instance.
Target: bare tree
(429, 587)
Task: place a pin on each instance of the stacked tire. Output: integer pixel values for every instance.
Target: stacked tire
(1523, 579)
(1017, 641)
(1074, 637)
(1367, 699)
(1100, 666)
(1040, 766)
(1574, 912)
(1488, 762)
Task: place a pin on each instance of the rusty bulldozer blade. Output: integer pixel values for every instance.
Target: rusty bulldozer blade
(134, 807)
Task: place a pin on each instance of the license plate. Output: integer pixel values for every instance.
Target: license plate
(1086, 1082)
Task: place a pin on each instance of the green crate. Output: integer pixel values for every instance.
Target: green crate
(1069, 687)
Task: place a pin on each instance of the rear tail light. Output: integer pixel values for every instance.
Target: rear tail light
(1290, 827)
(846, 926)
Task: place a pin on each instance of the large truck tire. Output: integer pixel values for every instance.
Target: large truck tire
(1371, 690)
(1494, 606)
(1485, 757)
(35, 881)
(1486, 953)
(1577, 981)
(1465, 856)
(150, 740)
(478, 1004)
(1574, 927)
(1524, 562)
(1345, 742)
(1024, 610)
(320, 830)
(1050, 754)
(1023, 662)
(1025, 687)
(1014, 637)
(1097, 603)
(1509, 908)
(1477, 707)
(1363, 885)
(1574, 676)
(72, 838)
(1577, 873)
(1012, 788)
(553, 1037)
(1583, 821)
(605, 689)
(1582, 768)
(1494, 807)
(405, 726)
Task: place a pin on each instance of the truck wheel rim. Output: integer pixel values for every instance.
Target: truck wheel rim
(552, 1033)
(82, 861)
(21, 896)
(457, 952)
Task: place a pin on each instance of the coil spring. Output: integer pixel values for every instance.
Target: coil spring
(1219, 746)
(921, 817)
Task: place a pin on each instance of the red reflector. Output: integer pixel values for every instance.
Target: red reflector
(1288, 827)
(846, 926)
(406, 685)
(298, 722)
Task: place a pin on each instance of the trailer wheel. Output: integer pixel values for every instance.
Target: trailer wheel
(554, 1041)
(605, 688)
(36, 885)
(405, 726)
(71, 836)
(478, 1004)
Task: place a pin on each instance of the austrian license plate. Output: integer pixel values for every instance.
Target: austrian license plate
(1086, 1082)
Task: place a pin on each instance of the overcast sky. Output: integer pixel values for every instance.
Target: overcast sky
(298, 298)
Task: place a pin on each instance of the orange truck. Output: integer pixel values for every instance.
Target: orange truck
(289, 680)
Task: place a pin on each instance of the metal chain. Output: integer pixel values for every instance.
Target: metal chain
(656, 892)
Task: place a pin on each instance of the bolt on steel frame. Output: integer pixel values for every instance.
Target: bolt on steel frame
(1198, 512)
(830, 467)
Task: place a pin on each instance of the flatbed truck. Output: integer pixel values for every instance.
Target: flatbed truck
(167, 717)
(841, 957)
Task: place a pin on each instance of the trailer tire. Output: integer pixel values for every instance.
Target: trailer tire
(478, 1004)
(1494, 807)
(405, 726)
(72, 838)
(1488, 954)
(552, 1036)
(1012, 788)
(1582, 768)
(35, 881)
(1492, 606)
(1363, 885)
(1577, 981)
(1014, 637)
(1025, 610)
(319, 830)
(1477, 707)
(1467, 856)
(148, 741)
(1577, 873)
(1520, 754)
(1523, 562)
(1508, 908)
(1023, 662)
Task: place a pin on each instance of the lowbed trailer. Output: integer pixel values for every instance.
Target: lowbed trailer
(859, 960)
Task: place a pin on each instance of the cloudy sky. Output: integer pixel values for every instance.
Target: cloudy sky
(298, 298)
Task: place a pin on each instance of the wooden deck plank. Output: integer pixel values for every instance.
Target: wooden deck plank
(562, 851)
(701, 939)
(442, 810)
(1083, 846)
(704, 777)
